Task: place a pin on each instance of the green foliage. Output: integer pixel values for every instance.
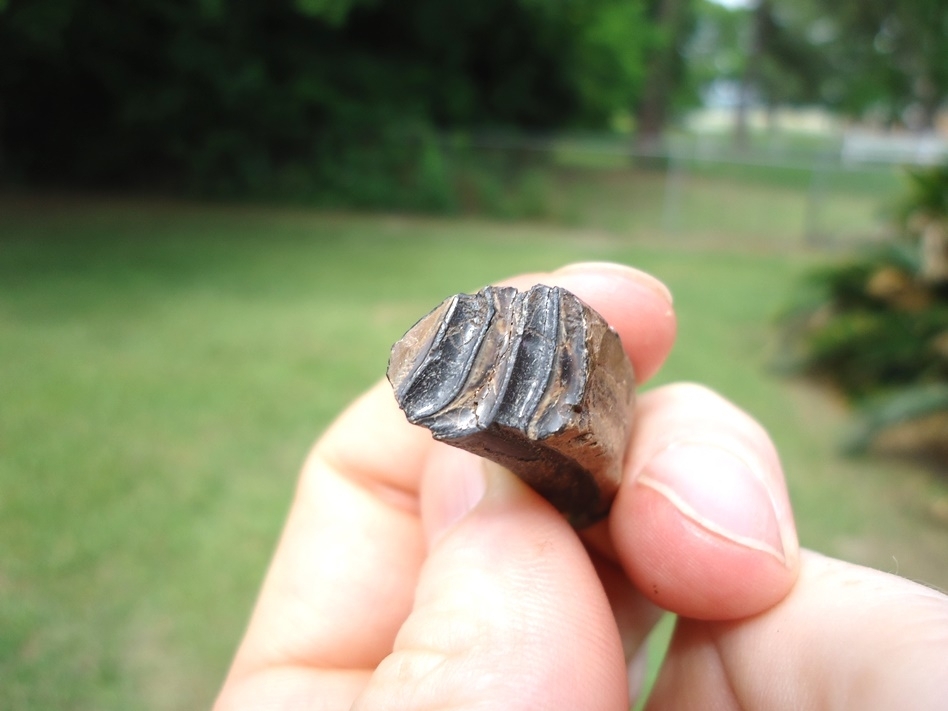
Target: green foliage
(869, 326)
(765, 46)
(609, 62)
(720, 44)
(877, 327)
(926, 196)
(893, 409)
(328, 99)
(333, 11)
(887, 58)
(864, 350)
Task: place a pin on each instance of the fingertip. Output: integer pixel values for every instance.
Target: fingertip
(687, 569)
(702, 522)
(622, 271)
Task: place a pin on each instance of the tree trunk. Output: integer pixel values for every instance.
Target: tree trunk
(2, 152)
(651, 114)
(751, 76)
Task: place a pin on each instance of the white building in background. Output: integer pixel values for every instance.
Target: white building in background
(800, 120)
(861, 145)
(859, 142)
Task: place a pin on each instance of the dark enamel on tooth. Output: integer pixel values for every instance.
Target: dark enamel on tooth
(536, 381)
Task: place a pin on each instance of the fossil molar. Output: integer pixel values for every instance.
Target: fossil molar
(536, 381)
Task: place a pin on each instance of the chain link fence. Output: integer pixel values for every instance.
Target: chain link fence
(781, 191)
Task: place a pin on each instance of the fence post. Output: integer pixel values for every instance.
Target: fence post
(674, 183)
(816, 196)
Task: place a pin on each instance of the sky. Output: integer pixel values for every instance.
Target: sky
(734, 3)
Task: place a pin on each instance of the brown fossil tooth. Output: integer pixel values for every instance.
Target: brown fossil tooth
(537, 381)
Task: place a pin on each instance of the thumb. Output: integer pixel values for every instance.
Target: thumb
(847, 637)
(508, 613)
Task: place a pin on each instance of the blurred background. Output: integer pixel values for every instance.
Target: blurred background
(217, 216)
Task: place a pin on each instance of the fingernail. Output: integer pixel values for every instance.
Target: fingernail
(630, 273)
(457, 493)
(718, 491)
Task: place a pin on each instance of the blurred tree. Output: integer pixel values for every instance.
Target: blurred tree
(889, 57)
(877, 58)
(781, 69)
(717, 48)
(762, 52)
(269, 97)
(674, 21)
(762, 31)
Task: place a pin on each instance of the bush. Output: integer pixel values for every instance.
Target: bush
(876, 327)
(327, 101)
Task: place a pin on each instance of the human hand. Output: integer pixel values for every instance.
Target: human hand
(411, 575)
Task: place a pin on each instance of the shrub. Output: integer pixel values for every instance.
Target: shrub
(876, 327)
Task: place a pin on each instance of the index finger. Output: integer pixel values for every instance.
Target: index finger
(343, 577)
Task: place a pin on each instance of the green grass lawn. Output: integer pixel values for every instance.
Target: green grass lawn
(164, 368)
